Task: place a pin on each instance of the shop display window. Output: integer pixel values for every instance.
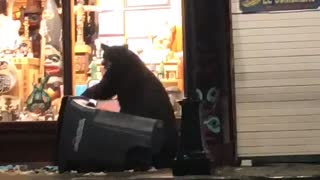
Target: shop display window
(31, 60)
(31, 77)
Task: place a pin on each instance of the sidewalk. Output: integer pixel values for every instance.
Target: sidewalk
(275, 171)
(272, 171)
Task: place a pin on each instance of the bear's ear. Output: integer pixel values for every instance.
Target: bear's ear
(126, 46)
(104, 47)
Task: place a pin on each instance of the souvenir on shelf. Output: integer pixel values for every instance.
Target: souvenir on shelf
(9, 108)
(8, 76)
(95, 72)
(80, 22)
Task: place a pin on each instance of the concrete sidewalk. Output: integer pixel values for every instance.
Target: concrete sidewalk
(274, 171)
(271, 171)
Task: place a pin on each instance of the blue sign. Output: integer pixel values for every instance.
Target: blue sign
(252, 6)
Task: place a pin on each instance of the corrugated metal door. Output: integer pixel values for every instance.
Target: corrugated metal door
(277, 73)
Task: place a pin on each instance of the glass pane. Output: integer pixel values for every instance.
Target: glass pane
(30, 60)
(152, 29)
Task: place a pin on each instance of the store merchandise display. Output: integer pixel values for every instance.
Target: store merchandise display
(31, 51)
(30, 62)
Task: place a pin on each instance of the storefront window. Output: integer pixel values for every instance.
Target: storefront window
(151, 29)
(30, 60)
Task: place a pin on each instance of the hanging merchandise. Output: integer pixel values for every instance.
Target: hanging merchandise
(52, 25)
(39, 100)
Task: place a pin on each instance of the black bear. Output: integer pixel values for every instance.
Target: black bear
(139, 93)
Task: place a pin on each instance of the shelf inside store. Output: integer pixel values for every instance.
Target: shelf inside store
(169, 80)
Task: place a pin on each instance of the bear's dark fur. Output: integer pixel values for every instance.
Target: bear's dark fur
(139, 93)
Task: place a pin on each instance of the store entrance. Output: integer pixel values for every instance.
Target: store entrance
(151, 29)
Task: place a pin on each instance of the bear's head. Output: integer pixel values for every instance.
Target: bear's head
(124, 68)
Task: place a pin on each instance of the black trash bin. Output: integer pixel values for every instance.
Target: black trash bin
(94, 140)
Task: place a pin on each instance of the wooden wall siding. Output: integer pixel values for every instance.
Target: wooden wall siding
(277, 80)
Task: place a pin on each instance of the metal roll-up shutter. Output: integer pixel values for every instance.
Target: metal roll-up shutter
(277, 82)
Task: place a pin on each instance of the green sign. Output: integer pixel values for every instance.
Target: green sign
(251, 6)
